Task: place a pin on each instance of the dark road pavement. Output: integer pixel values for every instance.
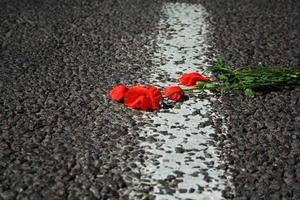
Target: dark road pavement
(62, 138)
(264, 134)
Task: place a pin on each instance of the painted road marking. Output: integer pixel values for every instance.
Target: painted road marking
(183, 161)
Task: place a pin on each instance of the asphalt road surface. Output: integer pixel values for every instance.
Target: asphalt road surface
(62, 138)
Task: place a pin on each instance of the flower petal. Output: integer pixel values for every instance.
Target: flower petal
(155, 97)
(118, 92)
(174, 93)
(136, 97)
(190, 79)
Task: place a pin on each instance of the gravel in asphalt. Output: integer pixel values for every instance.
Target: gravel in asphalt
(61, 138)
(264, 133)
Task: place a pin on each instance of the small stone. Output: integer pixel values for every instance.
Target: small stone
(170, 178)
(275, 185)
(200, 189)
(179, 150)
(191, 190)
(96, 191)
(183, 190)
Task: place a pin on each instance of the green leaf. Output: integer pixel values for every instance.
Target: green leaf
(249, 93)
(210, 86)
(222, 77)
(248, 78)
(200, 84)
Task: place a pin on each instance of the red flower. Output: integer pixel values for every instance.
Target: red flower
(174, 93)
(191, 79)
(118, 93)
(155, 97)
(144, 98)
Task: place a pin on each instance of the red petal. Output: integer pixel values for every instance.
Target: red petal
(155, 97)
(136, 98)
(174, 93)
(192, 78)
(118, 92)
(138, 102)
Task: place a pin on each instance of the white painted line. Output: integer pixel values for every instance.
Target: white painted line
(183, 162)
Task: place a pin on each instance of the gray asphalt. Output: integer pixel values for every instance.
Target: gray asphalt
(61, 138)
(264, 134)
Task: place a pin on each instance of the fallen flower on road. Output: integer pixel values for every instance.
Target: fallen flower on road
(174, 93)
(246, 79)
(118, 93)
(143, 98)
(192, 78)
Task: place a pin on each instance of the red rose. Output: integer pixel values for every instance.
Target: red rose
(118, 92)
(144, 98)
(191, 79)
(174, 93)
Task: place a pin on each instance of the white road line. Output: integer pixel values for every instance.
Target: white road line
(182, 149)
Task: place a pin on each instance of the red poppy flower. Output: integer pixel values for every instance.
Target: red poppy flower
(118, 92)
(144, 98)
(192, 78)
(174, 93)
(155, 97)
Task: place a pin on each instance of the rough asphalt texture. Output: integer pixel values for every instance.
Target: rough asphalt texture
(264, 134)
(60, 136)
